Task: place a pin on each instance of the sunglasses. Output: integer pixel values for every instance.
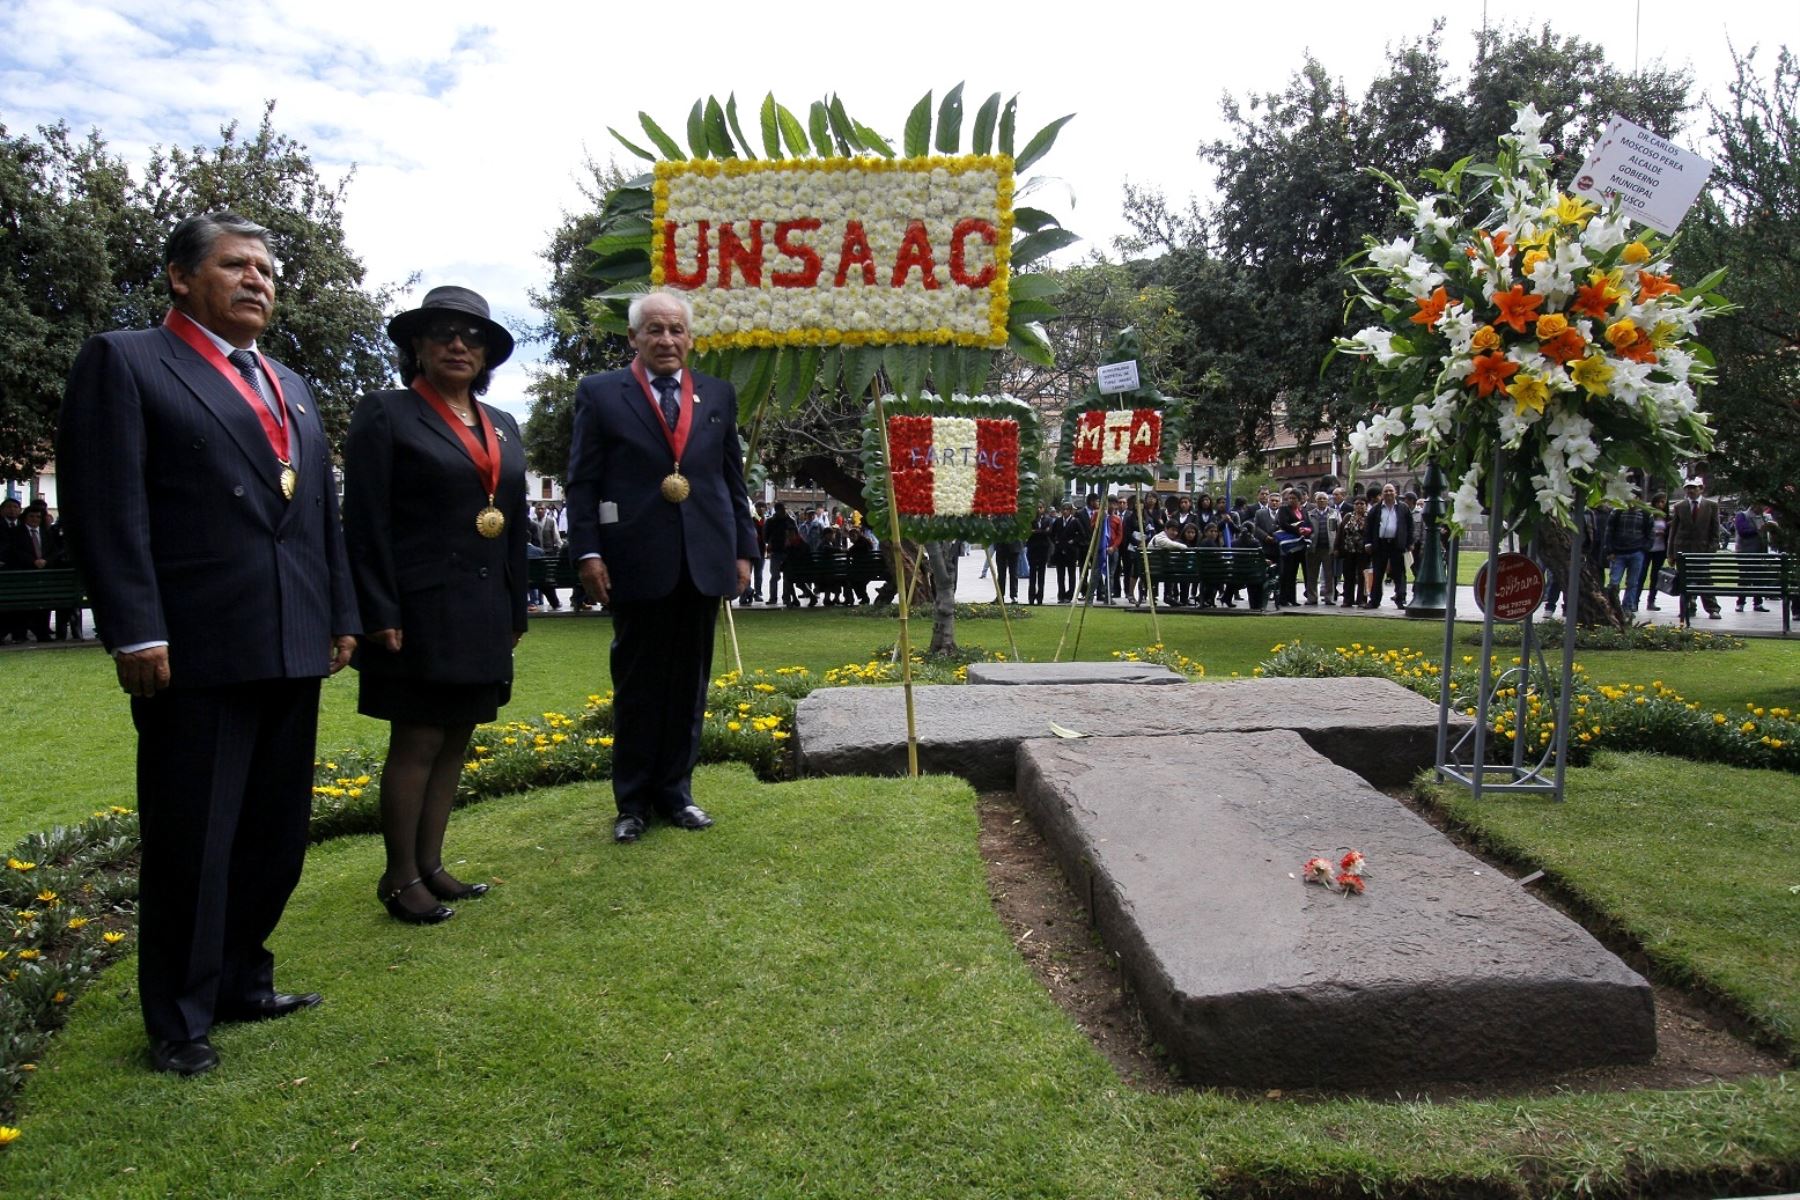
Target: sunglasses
(473, 336)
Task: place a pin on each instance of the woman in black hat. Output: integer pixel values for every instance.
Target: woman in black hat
(434, 520)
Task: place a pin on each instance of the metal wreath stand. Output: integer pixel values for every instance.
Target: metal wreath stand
(1466, 759)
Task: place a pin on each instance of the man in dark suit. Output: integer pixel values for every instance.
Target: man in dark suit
(1694, 529)
(660, 524)
(197, 487)
(1387, 535)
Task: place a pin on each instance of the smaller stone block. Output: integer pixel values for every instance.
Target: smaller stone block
(1188, 850)
(1073, 673)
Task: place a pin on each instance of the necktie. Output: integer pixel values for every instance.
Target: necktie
(245, 362)
(668, 395)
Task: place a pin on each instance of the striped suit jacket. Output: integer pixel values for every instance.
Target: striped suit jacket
(172, 498)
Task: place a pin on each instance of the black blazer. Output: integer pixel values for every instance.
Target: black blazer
(619, 454)
(173, 504)
(1402, 526)
(411, 493)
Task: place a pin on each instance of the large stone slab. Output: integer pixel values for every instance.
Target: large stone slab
(1373, 726)
(1189, 850)
(1073, 674)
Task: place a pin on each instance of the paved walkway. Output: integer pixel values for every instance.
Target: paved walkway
(1749, 623)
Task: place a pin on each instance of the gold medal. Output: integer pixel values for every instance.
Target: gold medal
(290, 482)
(675, 487)
(490, 522)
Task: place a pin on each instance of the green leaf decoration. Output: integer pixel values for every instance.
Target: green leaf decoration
(820, 124)
(1030, 344)
(621, 266)
(906, 368)
(696, 130)
(805, 376)
(605, 319)
(977, 364)
(982, 140)
(860, 365)
(946, 373)
(628, 200)
(1040, 144)
(756, 390)
(949, 132)
(1035, 246)
(842, 127)
(626, 233)
(1007, 116)
(873, 141)
(785, 369)
(718, 137)
(918, 128)
(1033, 219)
(731, 118)
(1021, 311)
(1033, 287)
(771, 128)
(630, 145)
(793, 132)
(663, 141)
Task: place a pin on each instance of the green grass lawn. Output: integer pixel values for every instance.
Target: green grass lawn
(813, 999)
(76, 724)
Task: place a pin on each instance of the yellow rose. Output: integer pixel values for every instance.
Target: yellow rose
(1636, 252)
(1486, 338)
(1551, 325)
(1621, 333)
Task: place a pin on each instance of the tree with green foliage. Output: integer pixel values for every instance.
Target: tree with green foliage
(1748, 221)
(81, 253)
(1260, 277)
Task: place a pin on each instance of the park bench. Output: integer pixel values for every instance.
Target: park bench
(52, 587)
(1214, 566)
(1771, 576)
(828, 569)
(552, 571)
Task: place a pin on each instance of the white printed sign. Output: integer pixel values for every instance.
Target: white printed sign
(1656, 180)
(1118, 377)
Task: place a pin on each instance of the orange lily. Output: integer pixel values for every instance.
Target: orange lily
(1595, 299)
(1651, 286)
(1431, 308)
(1565, 347)
(1516, 307)
(1491, 373)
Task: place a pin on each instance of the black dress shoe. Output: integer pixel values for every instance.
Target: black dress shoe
(268, 1008)
(690, 817)
(183, 1058)
(446, 887)
(390, 900)
(628, 828)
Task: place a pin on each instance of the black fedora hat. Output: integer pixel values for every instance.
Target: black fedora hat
(452, 299)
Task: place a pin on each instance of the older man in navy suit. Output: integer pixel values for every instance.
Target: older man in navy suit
(661, 526)
(197, 487)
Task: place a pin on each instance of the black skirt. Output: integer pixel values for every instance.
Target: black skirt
(421, 703)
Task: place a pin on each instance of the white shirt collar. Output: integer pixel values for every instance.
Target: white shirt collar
(225, 347)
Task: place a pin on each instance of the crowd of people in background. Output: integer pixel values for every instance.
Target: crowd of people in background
(31, 539)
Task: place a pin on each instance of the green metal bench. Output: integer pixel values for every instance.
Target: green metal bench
(829, 569)
(1765, 576)
(1216, 566)
(51, 587)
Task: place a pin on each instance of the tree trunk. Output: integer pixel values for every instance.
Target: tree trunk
(1596, 606)
(838, 483)
(942, 556)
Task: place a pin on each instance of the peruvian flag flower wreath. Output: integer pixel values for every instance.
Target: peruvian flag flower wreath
(1518, 317)
(1118, 438)
(964, 467)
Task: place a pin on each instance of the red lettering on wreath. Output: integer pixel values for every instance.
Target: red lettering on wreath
(959, 266)
(809, 274)
(915, 251)
(733, 252)
(856, 250)
(672, 275)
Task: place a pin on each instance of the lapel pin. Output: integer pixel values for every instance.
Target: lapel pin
(500, 433)
(302, 409)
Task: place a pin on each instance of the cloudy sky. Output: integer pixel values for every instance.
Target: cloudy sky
(467, 124)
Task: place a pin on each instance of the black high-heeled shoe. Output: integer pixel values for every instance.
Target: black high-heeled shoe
(399, 911)
(463, 891)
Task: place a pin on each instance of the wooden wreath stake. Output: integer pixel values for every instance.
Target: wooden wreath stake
(737, 655)
(893, 507)
(1086, 596)
(1001, 600)
(1149, 583)
(731, 628)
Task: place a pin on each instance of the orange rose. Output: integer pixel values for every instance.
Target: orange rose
(1486, 338)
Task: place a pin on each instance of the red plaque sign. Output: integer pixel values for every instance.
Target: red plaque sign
(1518, 590)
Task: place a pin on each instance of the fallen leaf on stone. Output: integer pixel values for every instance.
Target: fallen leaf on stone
(1060, 732)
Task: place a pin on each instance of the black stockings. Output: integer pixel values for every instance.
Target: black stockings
(418, 788)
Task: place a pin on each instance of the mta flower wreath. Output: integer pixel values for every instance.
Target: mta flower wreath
(1118, 438)
(964, 467)
(1524, 318)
